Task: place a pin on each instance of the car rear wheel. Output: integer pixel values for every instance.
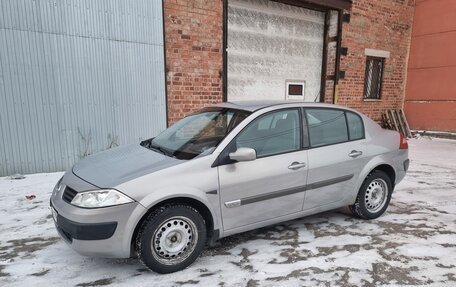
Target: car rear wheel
(373, 196)
(171, 238)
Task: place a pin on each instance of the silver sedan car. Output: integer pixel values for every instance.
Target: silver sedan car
(226, 169)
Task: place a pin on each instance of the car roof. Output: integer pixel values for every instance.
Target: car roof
(253, 106)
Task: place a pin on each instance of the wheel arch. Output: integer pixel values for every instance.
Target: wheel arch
(202, 208)
(378, 163)
(389, 170)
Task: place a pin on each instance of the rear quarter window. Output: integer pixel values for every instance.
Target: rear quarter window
(355, 126)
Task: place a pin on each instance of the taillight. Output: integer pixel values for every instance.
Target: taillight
(403, 144)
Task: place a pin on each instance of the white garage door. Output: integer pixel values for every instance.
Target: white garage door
(270, 46)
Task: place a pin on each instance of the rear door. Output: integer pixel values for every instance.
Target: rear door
(337, 155)
(273, 185)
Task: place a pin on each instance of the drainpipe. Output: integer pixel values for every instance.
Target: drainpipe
(338, 48)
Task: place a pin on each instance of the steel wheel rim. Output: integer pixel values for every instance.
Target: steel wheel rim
(376, 195)
(174, 240)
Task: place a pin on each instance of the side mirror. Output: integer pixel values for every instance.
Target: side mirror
(243, 154)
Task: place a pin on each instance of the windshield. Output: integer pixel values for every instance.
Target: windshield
(196, 134)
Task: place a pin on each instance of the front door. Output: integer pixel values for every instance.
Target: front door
(273, 185)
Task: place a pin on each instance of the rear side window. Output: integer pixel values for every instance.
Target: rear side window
(326, 126)
(355, 126)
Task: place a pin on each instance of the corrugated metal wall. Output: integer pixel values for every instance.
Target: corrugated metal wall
(77, 77)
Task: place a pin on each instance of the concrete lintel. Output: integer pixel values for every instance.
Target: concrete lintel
(377, 53)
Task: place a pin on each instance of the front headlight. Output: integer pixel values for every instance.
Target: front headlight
(58, 184)
(100, 198)
(58, 187)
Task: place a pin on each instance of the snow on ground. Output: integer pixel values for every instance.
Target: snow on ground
(414, 243)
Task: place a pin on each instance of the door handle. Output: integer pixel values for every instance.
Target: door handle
(355, 153)
(296, 165)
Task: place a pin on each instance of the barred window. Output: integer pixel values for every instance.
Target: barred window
(374, 77)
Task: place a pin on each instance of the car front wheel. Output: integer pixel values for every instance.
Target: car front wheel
(171, 238)
(373, 196)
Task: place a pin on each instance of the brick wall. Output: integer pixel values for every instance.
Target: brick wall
(194, 60)
(383, 25)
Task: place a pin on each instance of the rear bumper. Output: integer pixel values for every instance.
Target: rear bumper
(401, 164)
(406, 164)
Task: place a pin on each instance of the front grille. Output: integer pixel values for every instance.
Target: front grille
(69, 194)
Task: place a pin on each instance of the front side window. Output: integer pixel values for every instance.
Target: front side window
(373, 78)
(273, 133)
(326, 126)
(196, 134)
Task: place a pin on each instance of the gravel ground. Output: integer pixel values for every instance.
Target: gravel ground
(414, 243)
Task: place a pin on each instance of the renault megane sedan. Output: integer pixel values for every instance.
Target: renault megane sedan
(226, 169)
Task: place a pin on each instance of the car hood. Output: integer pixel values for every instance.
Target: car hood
(112, 167)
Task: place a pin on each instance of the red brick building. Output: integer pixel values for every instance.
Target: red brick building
(352, 53)
(430, 102)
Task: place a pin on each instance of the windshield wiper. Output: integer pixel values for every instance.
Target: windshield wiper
(160, 149)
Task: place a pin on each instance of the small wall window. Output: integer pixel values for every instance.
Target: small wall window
(295, 90)
(374, 77)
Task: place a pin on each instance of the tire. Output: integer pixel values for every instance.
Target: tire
(171, 238)
(374, 196)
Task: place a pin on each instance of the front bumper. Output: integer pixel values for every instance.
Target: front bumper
(99, 232)
(71, 230)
